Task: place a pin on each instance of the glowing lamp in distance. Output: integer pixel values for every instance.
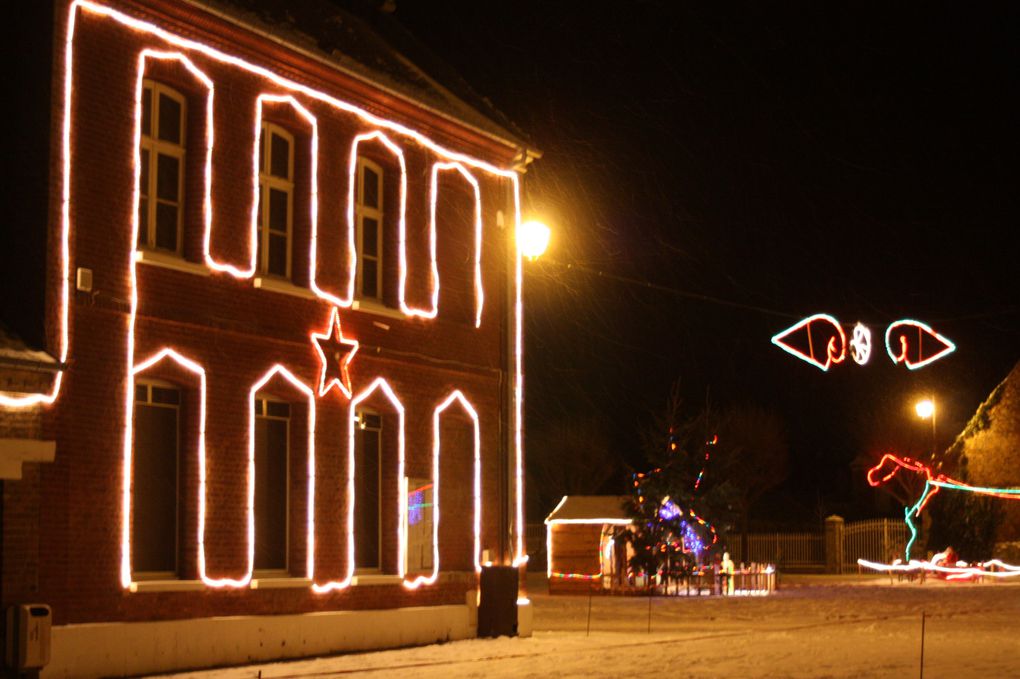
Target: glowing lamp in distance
(533, 239)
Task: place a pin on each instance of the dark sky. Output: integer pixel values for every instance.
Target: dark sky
(781, 158)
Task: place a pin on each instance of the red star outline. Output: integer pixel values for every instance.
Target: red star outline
(335, 342)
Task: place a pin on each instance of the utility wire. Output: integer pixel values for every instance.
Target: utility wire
(665, 288)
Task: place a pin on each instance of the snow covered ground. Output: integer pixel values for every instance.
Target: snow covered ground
(815, 626)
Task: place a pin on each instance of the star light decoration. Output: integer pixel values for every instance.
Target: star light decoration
(335, 351)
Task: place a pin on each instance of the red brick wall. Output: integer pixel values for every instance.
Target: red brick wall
(237, 332)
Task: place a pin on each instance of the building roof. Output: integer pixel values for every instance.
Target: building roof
(362, 38)
(590, 509)
(16, 352)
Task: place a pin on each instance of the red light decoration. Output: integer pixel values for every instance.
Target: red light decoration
(915, 344)
(890, 465)
(335, 351)
(800, 340)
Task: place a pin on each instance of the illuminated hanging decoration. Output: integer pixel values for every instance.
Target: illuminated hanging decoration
(806, 338)
(338, 377)
(860, 344)
(335, 352)
(916, 344)
(890, 465)
(906, 341)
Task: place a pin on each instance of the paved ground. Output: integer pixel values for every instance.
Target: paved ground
(816, 626)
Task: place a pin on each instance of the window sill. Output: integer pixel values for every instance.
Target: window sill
(142, 586)
(371, 307)
(376, 579)
(284, 287)
(283, 582)
(168, 261)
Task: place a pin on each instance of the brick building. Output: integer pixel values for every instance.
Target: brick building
(279, 357)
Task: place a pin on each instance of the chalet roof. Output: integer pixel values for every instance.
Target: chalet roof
(362, 38)
(590, 509)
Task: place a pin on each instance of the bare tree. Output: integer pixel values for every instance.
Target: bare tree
(751, 455)
(569, 457)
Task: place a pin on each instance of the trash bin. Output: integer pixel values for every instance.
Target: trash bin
(497, 605)
(28, 636)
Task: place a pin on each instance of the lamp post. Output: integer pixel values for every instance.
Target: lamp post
(925, 409)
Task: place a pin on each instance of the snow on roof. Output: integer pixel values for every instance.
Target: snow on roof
(15, 350)
(359, 38)
(590, 509)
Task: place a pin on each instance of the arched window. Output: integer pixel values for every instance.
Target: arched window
(155, 474)
(161, 183)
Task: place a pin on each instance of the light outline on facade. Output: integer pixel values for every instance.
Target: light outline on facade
(377, 383)
(458, 396)
(334, 330)
(27, 400)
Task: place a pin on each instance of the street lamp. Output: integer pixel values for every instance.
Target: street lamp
(533, 239)
(925, 409)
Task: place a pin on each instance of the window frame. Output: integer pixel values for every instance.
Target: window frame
(156, 147)
(361, 212)
(261, 410)
(148, 384)
(267, 182)
(378, 428)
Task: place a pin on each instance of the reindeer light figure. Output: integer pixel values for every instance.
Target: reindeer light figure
(890, 465)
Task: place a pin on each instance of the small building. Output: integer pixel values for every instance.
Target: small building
(581, 550)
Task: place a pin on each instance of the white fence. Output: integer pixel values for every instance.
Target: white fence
(789, 551)
(875, 539)
(879, 540)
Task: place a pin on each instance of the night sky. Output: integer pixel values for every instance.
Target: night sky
(756, 164)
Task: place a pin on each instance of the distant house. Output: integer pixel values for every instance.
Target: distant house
(989, 450)
(271, 406)
(581, 550)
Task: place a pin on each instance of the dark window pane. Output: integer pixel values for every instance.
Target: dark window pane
(166, 395)
(147, 112)
(168, 177)
(154, 489)
(143, 182)
(278, 210)
(143, 222)
(262, 151)
(169, 119)
(369, 237)
(279, 157)
(270, 493)
(371, 421)
(277, 264)
(277, 409)
(370, 196)
(366, 499)
(141, 393)
(166, 226)
(369, 278)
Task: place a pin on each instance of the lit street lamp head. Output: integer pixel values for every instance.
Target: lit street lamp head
(925, 408)
(533, 239)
